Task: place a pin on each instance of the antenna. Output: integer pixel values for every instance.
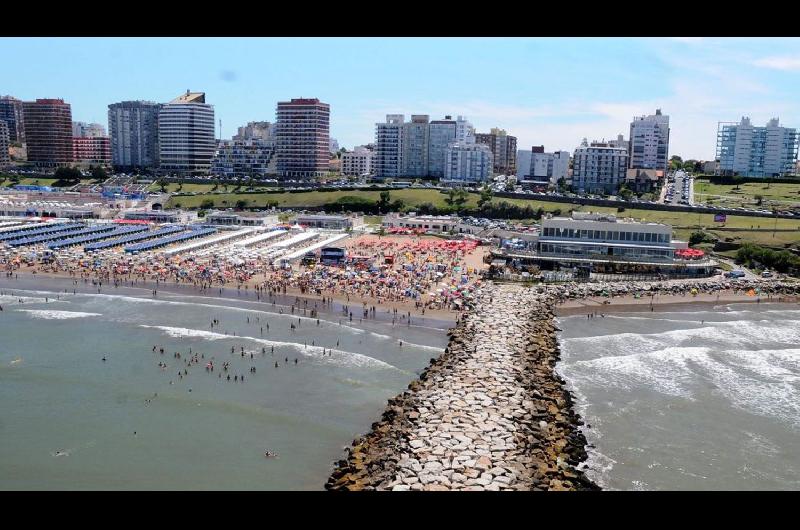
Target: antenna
(220, 129)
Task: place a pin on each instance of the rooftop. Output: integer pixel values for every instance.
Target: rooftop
(190, 97)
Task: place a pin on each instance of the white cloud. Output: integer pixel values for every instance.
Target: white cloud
(786, 63)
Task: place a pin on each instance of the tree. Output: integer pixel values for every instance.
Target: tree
(98, 173)
(161, 183)
(759, 199)
(625, 193)
(68, 174)
(241, 203)
(461, 197)
(486, 196)
(383, 202)
(207, 204)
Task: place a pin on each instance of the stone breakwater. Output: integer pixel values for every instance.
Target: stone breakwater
(489, 414)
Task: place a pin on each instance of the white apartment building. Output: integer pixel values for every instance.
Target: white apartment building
(186, 135)
(745, 150)
(242, 158)
(465, 132)
(87, 130)
(467, 163)
(649, 142)
(388, 158)
(262, 130)
(535, 167)
(358, 162)
(599, 168)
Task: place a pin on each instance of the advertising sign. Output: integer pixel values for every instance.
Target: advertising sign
(720, 217)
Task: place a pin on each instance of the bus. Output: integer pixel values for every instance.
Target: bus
(331, 255)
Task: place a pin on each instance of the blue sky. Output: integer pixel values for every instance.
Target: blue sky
(551, 91)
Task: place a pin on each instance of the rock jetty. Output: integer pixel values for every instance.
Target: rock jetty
(489, 414)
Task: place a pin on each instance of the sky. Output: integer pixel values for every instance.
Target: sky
(545, 91)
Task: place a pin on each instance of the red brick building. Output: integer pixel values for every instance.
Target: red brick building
(92, 150)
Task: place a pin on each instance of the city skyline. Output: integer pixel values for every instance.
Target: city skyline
(544, 91)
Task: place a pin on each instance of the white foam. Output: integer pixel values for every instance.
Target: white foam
(339, 356)
(271, 314)
(48, 314)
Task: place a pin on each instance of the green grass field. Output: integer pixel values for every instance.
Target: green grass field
(779, 195)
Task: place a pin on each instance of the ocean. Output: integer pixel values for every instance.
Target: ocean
(71, 421)
(689, 398)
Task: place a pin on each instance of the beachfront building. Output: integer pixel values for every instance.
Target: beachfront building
(467, 164)
(388, 158)
(11, 112)
(219, 218)
(329, 222)
(5, 157)
(432, 223)
(303, 139)
(745, 150)
(157, 216)
(504, 150)
(599, 168)
(537, 169)
(48, 132)
(133, 129)
(589, 243)
(358, 162)
(649, 142)
(186, 135)
(242, 158)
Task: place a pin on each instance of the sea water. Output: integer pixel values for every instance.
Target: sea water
(70, 420)
(694, 399)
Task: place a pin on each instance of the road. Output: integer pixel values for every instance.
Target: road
(682, 190)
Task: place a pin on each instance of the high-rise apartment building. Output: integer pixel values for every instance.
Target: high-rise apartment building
(133, 129)
(82, 129)
(745, 150)
(242, 158)
(504, 150)
(467, 163)
(48, 132)
(91, 150)
(5, 157)
(465, 132)
(358, 162)
(649, 142)
(333, 144)
(12, 113)
(442, 134)
(415, 146)
(599, 168)
(388, 155)
(186, 135)
(537, 168)
(303, 138)
(262, 130)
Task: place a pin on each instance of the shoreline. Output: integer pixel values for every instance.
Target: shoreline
(64, 283)
(629, 304)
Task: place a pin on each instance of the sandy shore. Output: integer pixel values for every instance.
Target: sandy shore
(63, 282)
(628, 303)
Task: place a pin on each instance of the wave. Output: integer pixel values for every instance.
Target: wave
(728, 333)
(764, 382)
(48, 314)
(271, 314)
(346, 358)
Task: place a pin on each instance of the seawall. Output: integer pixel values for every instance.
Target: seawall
(489, 414)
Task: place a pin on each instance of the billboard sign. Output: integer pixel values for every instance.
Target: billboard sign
(720, 217)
